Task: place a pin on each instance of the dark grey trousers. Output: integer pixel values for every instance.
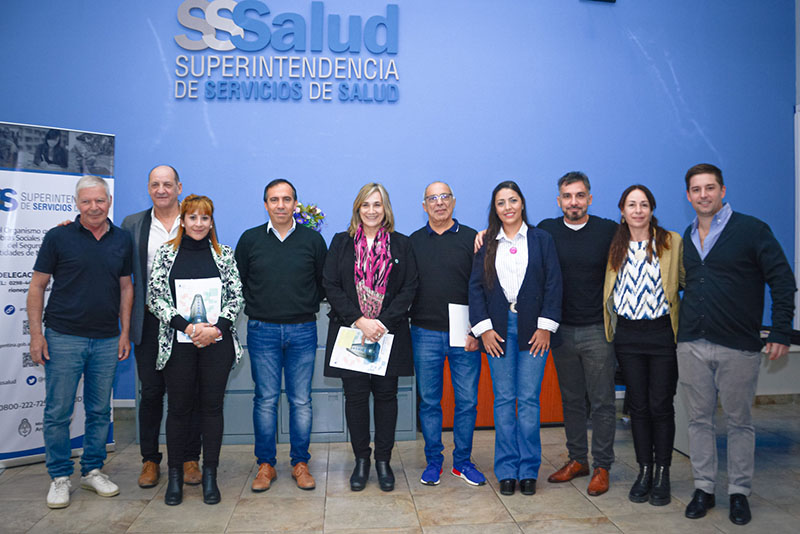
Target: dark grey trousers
(585, 365)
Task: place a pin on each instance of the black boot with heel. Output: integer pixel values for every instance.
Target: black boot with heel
(211, 493)
(174, 493)
(660, 494)
(640, 491)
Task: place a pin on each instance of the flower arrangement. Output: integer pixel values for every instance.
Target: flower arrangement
(309, 215)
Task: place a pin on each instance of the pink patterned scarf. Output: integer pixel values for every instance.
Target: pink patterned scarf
(372, 268)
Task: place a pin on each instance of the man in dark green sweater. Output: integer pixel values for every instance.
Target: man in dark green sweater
(728, 257)
(281, 269)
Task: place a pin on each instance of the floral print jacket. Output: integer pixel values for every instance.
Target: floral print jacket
(162, 305)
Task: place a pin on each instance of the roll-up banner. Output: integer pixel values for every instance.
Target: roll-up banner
(39, 167)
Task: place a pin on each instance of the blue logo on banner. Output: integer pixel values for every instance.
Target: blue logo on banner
(7, 200)
(9, 310)
(31, 380)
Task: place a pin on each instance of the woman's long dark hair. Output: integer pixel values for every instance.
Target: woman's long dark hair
(495, 224)
(622, 238)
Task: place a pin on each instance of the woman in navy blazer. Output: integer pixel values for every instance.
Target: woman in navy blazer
(388, 266)
(515, 306)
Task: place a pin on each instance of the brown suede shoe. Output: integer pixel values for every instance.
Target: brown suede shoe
(571, 469)
(191, 473)
(304, 479)
(264, 478)
(150, 473)
(599, 483)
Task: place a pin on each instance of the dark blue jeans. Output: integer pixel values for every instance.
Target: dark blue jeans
(517, 382)
(70, 358)
(430, 349)
(288, 350)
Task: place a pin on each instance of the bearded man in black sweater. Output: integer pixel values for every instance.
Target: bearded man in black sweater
(585, 360)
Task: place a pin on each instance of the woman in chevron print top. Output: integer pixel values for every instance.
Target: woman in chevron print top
(643, 274)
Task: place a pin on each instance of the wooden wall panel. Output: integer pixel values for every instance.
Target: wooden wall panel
(550, 399)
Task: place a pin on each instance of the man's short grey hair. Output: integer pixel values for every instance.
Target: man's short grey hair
(572, 177)
(91, 181)
(438, 182)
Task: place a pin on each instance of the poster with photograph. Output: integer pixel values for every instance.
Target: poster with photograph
(39, 168)
(25, 147)
(350, 353)
(198, 301)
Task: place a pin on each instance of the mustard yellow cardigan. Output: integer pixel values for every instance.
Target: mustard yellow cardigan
(672, 277)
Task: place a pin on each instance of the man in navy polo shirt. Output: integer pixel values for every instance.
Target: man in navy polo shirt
(90, 262)
(443, 250)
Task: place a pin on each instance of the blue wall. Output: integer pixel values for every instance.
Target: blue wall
(636, 91)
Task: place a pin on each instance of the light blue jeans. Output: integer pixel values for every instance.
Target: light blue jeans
(430, 349)
(277, 349)
(516, 382)
(70, 358)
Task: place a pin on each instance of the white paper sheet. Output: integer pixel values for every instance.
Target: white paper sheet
(459, 324)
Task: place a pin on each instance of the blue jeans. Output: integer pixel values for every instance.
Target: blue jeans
(290, 348)
(71, 357)
(516, 382)
(430, 349)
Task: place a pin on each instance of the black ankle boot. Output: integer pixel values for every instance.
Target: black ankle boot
(385, 475)
(358, 480)
(174, 493)
(640, 490)
(660, 494)
(210, 490)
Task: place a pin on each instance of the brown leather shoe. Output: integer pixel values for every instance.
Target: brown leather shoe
(571, 469)
(304, 479)
(264, 478)
(191, 473)
(599, 483)
(150, 473)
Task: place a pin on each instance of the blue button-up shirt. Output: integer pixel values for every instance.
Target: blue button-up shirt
(718, 223)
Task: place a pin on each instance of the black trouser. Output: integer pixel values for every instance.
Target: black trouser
(646, 354)
(356, 409)
(151, 398)
(193, 373)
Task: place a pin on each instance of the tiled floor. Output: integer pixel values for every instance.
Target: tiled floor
(450, 508)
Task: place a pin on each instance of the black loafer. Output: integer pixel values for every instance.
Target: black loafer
(701, 503)
(527, 486)
(385, 475)
(740, 510)
(358, 480)
(507, 486)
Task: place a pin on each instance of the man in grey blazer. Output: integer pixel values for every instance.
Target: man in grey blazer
(150, 229)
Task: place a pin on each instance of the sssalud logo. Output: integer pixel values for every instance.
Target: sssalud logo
(8, 202)
(248, 25)
(256, 55)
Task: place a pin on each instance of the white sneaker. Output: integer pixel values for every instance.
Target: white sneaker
(58, 496)
(98, 482)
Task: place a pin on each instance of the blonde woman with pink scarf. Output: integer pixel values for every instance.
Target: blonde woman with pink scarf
(370, 279)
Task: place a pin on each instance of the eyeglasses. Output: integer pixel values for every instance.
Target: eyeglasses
(433, 199)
